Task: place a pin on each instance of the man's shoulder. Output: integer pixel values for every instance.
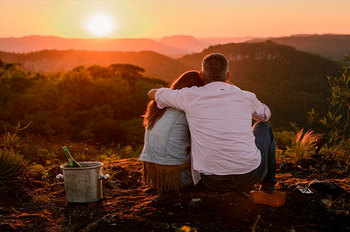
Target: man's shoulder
(249, 94)
(185, 89)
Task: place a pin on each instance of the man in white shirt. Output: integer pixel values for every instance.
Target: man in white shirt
(226, 153)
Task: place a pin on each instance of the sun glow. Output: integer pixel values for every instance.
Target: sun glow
(100, 25)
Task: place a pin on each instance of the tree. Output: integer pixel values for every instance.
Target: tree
(340, 89)
(336, 121)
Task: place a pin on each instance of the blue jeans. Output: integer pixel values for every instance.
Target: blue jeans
(265, 173)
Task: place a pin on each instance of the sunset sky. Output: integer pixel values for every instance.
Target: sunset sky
(158, 18)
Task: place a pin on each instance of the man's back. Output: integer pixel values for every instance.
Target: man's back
(219, 117)
(226, 152)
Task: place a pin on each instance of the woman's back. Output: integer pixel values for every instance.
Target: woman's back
(168, 142)
(166, 152)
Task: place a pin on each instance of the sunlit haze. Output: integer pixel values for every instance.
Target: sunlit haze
(158, 18)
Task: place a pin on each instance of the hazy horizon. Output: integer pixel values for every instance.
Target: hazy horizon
(175, 35)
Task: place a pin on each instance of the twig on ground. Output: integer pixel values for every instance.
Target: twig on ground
(91, 225)
(256, 223)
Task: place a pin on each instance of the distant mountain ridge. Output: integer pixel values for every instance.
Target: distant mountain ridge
(37, 43)
(185, 43)
(174, 46)
(327, 45)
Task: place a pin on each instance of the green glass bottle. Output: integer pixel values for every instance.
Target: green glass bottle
(71, 161)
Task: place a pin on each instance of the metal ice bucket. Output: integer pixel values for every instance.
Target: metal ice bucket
(83, 184)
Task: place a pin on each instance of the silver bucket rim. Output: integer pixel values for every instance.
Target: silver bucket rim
(98, 164)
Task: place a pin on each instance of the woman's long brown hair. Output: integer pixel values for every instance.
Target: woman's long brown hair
(187, 79)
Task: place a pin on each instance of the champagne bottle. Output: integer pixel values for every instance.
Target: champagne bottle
(71, 161)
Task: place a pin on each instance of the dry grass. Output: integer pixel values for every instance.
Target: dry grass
(40, 198)
(304, 144)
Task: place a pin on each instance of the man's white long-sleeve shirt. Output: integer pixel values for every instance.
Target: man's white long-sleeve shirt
(220, 118)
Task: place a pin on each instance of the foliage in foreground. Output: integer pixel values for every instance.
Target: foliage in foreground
(12, 167)
(340, 153)
(284, 139)
(335, 123)
(304, 144)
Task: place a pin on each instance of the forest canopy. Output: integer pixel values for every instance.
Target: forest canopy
(102, 104)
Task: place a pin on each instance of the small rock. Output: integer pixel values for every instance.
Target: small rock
(326, 202)
(305, 190)
(34, 175)
(327, 188)
(196, 199)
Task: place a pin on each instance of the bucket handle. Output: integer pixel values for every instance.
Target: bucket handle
(101, 176)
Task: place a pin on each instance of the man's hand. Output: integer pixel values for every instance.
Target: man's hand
(151, 93)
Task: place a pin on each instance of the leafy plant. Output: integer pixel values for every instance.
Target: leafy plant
(340, 153)
(11, 140)
(304, 144)
(336, 121)
(284, 139)
(41, 169)
(12, 167)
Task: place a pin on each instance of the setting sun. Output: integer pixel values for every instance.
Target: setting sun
(100, 25)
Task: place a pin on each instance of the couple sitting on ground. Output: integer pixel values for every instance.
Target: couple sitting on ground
(199, 129)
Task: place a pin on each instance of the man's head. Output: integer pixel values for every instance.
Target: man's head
(215, 68)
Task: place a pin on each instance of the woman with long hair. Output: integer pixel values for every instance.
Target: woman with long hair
(166, 152)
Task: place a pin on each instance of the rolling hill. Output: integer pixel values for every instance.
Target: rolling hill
(155, 64)
(328, 45)
(185, 43)
(37, 43)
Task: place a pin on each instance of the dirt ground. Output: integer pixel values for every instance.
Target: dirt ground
(129, 206)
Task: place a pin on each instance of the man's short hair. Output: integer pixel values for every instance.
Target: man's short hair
(214, 67)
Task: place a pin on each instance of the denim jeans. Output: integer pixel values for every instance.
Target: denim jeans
(265, 173)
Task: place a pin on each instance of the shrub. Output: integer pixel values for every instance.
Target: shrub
(40, 168)
(284, 139)
(340, 153)
(130, 152)
(108, 154)
(10, 140)
(304, 144)
(12, 167)
(336, 122)
(109, 130)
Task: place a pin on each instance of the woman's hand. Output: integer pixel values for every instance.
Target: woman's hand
(151, 93)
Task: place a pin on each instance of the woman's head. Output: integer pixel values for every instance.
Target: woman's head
(187, 79)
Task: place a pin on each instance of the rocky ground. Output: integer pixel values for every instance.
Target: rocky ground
(127, 205)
